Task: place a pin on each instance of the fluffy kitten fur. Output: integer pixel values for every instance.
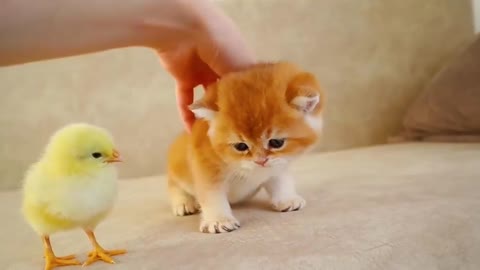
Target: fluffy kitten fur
(250, 125)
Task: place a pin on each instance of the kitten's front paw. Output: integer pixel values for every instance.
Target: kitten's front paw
(291, 204)
(185, 207)
(219, 226)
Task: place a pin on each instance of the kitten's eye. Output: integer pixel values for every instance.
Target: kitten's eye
(241, 147)
(96, 155)
(276, 143)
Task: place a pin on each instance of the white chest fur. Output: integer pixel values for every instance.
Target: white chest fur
(244, 183)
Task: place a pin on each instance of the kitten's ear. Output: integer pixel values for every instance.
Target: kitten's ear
(206, 107)
(202, 111)
(306, 104)
(304, 93)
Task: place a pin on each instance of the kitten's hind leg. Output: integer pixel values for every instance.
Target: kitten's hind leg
(183, 204)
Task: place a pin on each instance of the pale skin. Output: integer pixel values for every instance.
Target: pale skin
(195, 41)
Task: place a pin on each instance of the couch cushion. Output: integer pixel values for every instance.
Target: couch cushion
(449, 108)
(408, 206)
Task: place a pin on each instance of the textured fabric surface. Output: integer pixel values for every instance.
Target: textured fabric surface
(407, 206)
(361, 51)
(449, 108)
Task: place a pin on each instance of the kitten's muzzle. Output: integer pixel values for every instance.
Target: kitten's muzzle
(261, 161)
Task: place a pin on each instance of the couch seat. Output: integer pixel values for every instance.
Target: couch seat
(403, 206)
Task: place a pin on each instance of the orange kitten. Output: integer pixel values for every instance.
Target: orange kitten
(250, 126)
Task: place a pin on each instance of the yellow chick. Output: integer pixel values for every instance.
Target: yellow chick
(73, 185)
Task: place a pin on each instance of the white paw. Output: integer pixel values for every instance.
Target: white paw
(287, 205)
(185, 208)
(219, 226)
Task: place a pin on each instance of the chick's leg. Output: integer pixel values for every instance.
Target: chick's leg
(52, 261)
(98, 252)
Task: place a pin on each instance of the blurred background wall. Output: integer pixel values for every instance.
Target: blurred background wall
(476, 14)
(371, 56)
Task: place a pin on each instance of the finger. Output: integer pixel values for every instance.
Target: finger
(209, 81)
(224, 49)
(204, 73)
(184, 99)
(225, 53)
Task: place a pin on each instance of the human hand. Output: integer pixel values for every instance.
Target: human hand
(212, 48)
(196, 42)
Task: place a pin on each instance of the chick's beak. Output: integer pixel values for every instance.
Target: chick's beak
(115, 157)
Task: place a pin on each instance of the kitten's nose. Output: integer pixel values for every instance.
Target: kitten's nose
(261, 161)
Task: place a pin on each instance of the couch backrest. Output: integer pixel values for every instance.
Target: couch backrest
(371, 56)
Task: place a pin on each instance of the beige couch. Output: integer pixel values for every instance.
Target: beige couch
(369, 205)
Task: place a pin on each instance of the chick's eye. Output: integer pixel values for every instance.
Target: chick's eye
(241, 147)
(96, 155)
(276, 143)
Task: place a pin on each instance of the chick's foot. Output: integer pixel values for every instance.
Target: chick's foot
(100, 254)
(51, 262)
(68, 257)
(103, 255)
